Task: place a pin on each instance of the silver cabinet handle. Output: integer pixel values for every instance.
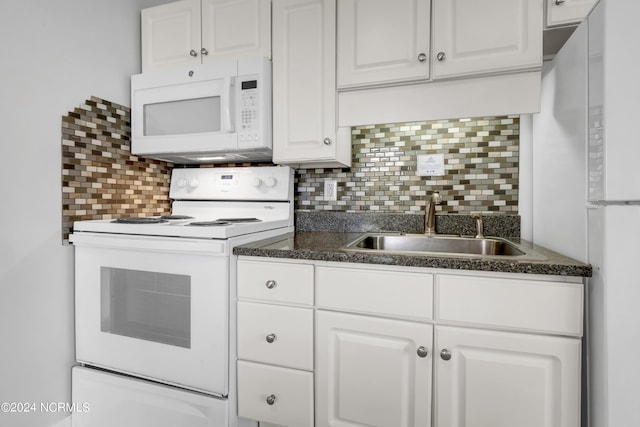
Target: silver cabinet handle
(559, 2)
(441, 56)
(445, 354)
(270, 284)
(204, 51)
(422, 351)
(270, 338)
(193, 53)
(422, 57)
(327, 141)
(271, 399)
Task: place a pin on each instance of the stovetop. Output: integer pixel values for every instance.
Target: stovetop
(199, 219)
(191, 221)
(214, 203)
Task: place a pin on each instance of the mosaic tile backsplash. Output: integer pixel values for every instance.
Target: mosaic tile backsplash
(101, 179)
(481, 168)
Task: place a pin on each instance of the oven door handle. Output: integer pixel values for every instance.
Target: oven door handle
(150, 243)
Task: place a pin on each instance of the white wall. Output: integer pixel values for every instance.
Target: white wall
(55, 54)
(559, 190)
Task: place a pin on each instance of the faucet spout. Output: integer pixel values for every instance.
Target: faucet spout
(430, 213)
(479, 226)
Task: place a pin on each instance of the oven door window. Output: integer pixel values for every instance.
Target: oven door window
(146, 305)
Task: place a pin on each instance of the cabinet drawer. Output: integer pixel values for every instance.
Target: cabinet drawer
(542, 306)
(275, 334)
(291, 390)
(276, 281)
(397, 293)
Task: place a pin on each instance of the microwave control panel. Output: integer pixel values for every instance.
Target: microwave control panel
(249, 121)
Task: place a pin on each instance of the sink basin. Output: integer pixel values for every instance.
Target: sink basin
(442, 245)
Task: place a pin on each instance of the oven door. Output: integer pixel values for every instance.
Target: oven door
(154, 307)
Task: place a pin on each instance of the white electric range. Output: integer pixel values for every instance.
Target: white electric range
(155, 300)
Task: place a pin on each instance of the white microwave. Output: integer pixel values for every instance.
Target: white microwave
(218, 112)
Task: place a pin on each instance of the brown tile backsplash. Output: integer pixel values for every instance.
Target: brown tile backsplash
(101, 179)
(481, 168)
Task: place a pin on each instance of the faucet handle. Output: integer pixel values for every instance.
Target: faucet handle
(436, 198)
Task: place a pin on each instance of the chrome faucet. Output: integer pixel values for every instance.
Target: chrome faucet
(430, 213)
(479, 226)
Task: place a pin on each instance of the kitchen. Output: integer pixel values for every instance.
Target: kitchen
(87, 49)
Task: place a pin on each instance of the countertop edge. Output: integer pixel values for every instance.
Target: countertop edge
(325, 246)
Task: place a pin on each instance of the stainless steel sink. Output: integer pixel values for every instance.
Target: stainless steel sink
(417, 244)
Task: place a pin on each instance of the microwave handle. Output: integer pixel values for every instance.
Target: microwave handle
(227, 105)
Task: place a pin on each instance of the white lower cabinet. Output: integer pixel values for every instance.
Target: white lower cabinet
(504, 379)
(275, 343)
(275, 395)
(275, 334)
(384, 346)
(372, 371)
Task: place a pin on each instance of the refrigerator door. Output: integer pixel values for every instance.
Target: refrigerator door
(614, 320)
(613, 102)
(103, 399)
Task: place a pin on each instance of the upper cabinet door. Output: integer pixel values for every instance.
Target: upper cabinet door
(383, 41)
(304, 82)
(235, 27)
(564, 12)
(473, 37)
(171, 35)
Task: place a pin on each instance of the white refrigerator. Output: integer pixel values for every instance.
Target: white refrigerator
(586, 194)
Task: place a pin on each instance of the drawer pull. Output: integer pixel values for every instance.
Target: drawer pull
(271, 399)
(270, 284)
(422, 351)
(445, 354)
(271, 338)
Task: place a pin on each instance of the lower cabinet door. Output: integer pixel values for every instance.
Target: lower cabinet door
(372, 371)
(504, 379)
(275, 395)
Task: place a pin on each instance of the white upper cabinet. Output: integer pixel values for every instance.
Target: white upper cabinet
(381, 41)
(236, 27)
(196, 31)
(171, 35)
(304, 85)
(567, 12)
(474, 37)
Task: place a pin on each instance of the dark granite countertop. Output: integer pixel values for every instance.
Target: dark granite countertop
(326, 246)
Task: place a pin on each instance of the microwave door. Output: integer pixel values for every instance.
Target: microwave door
(184, 118)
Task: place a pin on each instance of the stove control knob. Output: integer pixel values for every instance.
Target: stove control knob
(182, 182)
(256, 182)
(193, 183)
(270, 182)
